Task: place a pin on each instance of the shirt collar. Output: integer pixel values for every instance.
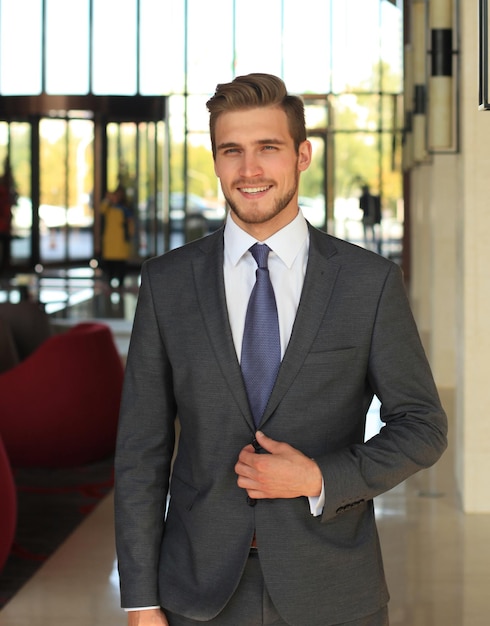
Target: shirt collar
(286, 243)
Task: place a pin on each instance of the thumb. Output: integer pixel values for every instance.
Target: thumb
(268, 444)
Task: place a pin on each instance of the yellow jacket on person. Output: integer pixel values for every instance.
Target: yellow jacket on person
(117, 231)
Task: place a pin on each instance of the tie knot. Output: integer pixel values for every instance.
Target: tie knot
(260, 252)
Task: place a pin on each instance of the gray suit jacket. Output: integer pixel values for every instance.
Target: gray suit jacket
(354, 336)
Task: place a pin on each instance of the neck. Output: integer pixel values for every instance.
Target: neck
(264, 230)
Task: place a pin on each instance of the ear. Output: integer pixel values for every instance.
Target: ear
(304, 155)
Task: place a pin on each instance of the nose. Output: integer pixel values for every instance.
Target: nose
(250, 166)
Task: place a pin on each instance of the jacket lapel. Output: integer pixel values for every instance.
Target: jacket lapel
(321, 274)
(210, 289)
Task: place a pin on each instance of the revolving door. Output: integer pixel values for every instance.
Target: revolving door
(65, 153)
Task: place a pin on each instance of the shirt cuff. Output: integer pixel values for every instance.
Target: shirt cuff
(317, 503)
(142, 608)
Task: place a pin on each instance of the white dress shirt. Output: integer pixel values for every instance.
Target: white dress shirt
(287, 267)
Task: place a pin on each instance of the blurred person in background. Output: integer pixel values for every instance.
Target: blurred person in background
(117, 230)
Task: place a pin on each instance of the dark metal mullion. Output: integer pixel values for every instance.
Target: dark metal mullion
(157, 200)
(233, 25)
(35, 189)
(380, 107)
(185, 165)
(67, 187)
(137, 168)
(90, 46)
(138, 50)
(43, 47)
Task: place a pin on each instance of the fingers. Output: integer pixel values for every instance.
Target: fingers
(268, 444)
(257, 473)
(284, 472)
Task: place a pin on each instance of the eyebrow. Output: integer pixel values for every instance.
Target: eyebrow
(259, 142)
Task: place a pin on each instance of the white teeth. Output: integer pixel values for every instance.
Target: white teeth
(254, 189)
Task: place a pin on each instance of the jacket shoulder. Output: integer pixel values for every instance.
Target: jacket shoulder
(345, 253)
(186, 254)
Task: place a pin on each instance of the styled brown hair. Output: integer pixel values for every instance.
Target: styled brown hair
(257, 90)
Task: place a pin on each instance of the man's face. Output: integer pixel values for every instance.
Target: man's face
(259, 169)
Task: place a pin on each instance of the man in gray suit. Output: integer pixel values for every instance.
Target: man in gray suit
(269, 522)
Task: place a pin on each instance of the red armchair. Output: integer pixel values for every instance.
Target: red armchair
(59, 407)
(8, 506)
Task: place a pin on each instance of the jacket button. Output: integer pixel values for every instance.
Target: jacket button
(251, 501)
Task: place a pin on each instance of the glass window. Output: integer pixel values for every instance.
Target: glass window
(391, 47)
(161, 47)
(391, 168)
(356, 42)
(80, 188)
(343, 56)
(67, 46)
(351, 112)
(197, 113)
(306, 67)
(356, 162)
(177, 125)
(4, 141)
(312, 185)
(210, 44)
(53, 193)
(18, 136)
(258, 37)
(114, 62)
(20, 47)
(316, 111)
(202, 181)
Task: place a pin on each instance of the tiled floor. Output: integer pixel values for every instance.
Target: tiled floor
(437, 563)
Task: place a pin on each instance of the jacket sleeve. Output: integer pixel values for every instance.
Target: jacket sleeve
(414, 434)
(145, 444)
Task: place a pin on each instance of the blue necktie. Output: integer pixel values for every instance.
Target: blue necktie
(261, 347)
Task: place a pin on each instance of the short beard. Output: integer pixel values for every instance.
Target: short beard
(260, 217)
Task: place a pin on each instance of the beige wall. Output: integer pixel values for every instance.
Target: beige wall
(473, 297)
(450, 286)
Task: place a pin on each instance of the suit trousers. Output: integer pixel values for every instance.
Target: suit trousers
(251, 605)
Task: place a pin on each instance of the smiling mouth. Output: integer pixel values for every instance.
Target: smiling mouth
(252, 190)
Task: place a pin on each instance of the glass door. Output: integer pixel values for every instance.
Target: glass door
(135, 153)
(66, 212)
(15, 142)
(65, 153)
